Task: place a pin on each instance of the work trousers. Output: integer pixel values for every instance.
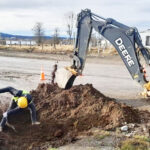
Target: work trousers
(14, 109)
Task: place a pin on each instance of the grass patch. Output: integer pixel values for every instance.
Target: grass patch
(102, 135)
(135, 144)
(144, 138)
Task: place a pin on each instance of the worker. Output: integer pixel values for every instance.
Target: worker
(53, 73)
(21, 100)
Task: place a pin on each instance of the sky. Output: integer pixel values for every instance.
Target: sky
(20, 16)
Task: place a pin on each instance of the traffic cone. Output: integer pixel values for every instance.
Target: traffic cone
(42, 74)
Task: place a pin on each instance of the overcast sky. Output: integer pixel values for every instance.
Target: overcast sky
(19, 16)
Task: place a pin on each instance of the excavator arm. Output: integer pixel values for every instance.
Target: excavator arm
(126, 40)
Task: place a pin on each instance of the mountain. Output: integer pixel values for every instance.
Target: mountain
(5, 35)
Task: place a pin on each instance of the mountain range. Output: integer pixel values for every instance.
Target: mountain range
(5, 35)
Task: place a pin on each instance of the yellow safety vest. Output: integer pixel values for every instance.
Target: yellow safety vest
(15, 98)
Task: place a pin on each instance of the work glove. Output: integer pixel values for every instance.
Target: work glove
(5, 114)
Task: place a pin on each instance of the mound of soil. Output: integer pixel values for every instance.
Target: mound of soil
(64, 114)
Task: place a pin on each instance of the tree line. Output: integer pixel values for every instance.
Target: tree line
(70, 20)
(39, 32)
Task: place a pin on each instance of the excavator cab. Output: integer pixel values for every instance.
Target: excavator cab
(126, 40)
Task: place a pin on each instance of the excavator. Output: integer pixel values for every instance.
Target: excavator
(125, 39)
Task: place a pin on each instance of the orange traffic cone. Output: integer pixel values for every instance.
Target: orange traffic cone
(42, 74)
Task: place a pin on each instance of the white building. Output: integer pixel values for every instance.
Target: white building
(145, 35)
(20, 42)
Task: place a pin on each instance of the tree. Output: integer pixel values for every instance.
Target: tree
(70, 20)
(2, 40)
(38, 33)
(56, 39)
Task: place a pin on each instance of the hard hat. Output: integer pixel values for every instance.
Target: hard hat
(22, 102)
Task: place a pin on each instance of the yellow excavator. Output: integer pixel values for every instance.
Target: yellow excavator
(126, 40)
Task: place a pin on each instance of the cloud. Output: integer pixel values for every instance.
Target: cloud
(22, 4)
(20, 15)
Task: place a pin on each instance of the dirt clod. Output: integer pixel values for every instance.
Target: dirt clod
(64, 114)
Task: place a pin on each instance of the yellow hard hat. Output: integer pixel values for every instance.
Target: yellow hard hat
(22, 102)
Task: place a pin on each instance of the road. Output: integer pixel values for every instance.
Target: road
(108, 76)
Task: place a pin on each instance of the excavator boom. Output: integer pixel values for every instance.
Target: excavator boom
(126, 40)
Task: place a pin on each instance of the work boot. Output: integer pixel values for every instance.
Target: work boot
(35, 123)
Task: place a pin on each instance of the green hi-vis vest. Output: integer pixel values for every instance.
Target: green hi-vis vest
(15, 98)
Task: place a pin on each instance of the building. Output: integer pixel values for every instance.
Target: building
(145, 35)
(27, 42)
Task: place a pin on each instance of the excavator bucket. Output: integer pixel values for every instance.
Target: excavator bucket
(64, 78)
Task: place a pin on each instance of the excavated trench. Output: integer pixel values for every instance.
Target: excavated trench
(64, 114)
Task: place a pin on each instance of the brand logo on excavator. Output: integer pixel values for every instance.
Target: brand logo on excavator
(124, 52)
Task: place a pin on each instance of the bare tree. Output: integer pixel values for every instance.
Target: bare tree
(70, 20)
(93, 39)
(55, 38)
(38, 33)
(2, 40)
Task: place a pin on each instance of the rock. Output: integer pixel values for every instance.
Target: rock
(131, 125)
(130, 134)
(124, 128)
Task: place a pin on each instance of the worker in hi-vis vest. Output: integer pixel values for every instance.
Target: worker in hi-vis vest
(21, 100)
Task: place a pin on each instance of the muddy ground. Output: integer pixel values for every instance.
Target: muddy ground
(67, 116)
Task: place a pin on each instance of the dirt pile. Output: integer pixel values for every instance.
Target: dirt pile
(64, 114)
(84, 104)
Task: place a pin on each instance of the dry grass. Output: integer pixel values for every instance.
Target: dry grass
(108, 51)
(135, 144)
(45, 48)
(102, 135)
(142, 137)
(58, 49)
